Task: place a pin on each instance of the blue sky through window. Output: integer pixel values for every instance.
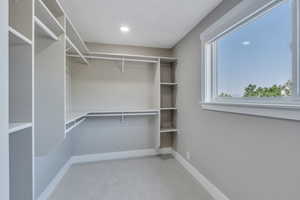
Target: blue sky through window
(258, 52)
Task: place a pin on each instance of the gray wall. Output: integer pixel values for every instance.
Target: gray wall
(246, 157)
(103, 135)
(4, 149)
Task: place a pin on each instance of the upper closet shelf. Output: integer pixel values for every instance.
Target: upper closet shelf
(171, 108)
(15, 127)
(43, 31)
(169, 84)
(168, 59)
(16, 38)
(117, 58)
(46, 17)
(71, 47)
(74, 36)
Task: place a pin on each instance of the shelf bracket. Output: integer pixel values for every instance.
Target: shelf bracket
(123, 64)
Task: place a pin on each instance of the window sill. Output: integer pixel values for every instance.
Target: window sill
(289, 112)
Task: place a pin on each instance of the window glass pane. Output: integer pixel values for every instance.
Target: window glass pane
(255, 60)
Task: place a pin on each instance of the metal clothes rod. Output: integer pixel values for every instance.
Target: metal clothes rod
(121, 114)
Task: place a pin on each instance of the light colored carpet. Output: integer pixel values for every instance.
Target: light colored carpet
(149, 178)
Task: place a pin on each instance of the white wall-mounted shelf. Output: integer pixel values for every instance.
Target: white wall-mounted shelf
(74, 116)
(74, 125)
(168, 84)
(71, 47)
(168, 130)
(43, 31)
(55, 7)
(47, 18)
(16, 38)
(75, 37)
(15, 127)
(171, 108)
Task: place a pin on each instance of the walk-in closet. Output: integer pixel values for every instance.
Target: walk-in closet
(144, 100)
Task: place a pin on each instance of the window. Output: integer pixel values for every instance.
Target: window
(251, 60)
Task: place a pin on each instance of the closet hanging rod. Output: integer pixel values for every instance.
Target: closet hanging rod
(117, 59)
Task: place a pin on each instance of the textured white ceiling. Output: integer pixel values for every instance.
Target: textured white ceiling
(153, 23)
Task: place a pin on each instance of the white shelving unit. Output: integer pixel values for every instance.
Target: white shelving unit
(21, 46)
(168, 110)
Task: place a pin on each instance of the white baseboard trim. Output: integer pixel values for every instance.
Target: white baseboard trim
(52, 185)
(211, 188)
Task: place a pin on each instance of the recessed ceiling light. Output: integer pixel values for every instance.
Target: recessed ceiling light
(246, 43)
(124, 29)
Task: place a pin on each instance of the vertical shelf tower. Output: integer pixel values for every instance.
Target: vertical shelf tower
(20, 99)
(168, 109)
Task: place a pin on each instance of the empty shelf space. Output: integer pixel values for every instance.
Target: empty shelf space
(47, 18)
(168, 130)
(16, 38)
(15, 127)
(43, 31)
(71, 47)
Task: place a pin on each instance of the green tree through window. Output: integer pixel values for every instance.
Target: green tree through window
(275, 91)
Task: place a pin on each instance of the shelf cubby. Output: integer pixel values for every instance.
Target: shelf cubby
(168, 97)
(20, 16)
(168, 120)
(20, 78)
(167, 72)
(21, 164)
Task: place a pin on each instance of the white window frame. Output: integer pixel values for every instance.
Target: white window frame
(277, 107)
